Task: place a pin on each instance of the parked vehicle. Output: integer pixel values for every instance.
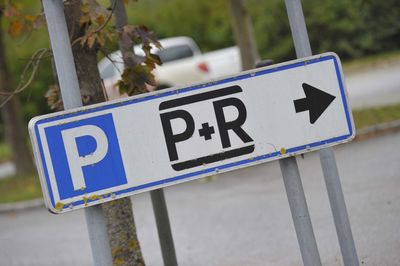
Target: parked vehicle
(183, 64)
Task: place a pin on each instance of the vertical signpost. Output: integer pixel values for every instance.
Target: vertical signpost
(327, 157)
(195, 132)
(157, 196)
(299, 210)
(69, 86)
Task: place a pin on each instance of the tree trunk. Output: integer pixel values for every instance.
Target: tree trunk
(15, 128)
(157, 196)
(121, 227)
(244, 34)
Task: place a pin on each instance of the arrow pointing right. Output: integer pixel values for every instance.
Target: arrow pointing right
(316, 102)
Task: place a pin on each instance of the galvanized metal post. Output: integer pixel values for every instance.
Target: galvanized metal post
(69, 86)
(298, 205)
(338, 206)
(163, 227)
(157, 196)
(299, 210)
(327, 157)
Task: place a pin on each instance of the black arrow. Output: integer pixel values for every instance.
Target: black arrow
(316, 102)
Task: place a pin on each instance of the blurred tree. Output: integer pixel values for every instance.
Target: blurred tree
(381, 25)
(335, 25)
(86, 22)
(15, 129)
(207, 22)
(352, 28)
(89, 31)
(244, 34)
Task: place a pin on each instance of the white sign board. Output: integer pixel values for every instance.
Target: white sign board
(111, 150)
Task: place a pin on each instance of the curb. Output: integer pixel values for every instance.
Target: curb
(377, 130)
(362, 134)
(21, 206)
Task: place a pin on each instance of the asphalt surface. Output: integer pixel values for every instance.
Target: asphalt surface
(376, 86)
(239, 218)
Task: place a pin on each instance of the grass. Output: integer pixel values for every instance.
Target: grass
(371, 61)
(19, 188)
(5, 152)
(372, 116)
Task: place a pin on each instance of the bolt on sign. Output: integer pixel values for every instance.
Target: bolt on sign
(98, 153)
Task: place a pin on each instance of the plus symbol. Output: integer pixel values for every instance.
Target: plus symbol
(206, 131)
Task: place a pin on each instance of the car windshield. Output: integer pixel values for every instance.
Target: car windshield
(175, 53)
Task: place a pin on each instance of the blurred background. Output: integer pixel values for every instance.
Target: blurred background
(354, 29)
(364, 33)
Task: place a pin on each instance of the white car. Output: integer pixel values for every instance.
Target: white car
(183, 64)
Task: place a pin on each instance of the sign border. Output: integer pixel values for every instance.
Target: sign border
(42, 168)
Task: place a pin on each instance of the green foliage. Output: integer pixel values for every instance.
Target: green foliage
(207, 22)
(352, 28)
(5, 152)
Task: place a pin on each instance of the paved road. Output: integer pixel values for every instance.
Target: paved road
(239, 218)
(379, 85)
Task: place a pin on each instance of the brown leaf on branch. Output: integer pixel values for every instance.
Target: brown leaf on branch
(53, 98)
(16, 28)
(134, 79)
(20, 23)
(10, 10)
(138, 75)
(38, 22)
(94, 19)
(141, 34)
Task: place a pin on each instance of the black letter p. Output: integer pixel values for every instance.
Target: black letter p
(170, 138)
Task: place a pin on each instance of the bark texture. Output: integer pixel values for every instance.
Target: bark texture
(15, 128)
(121, 227)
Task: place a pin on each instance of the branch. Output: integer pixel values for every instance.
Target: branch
(101, 27)
(113, 62)
(33, 64)
(107, 19)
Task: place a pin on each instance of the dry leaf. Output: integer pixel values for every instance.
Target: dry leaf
(15, 28)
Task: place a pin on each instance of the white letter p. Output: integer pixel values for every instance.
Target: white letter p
(75, 161)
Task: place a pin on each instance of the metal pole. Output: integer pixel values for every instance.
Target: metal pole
(62, 53)
(163, 227)
(157, 196)
(97, 229)
(327, 157)
(299, 210)
(298, 205)
(298, 28)
(338, 206)
(69, 86)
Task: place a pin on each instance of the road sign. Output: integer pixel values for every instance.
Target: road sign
(110, 150)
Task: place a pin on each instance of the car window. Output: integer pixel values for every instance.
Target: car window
(175, 53)
(108, 71)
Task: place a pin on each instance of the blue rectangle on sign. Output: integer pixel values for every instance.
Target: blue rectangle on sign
(85, 162)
